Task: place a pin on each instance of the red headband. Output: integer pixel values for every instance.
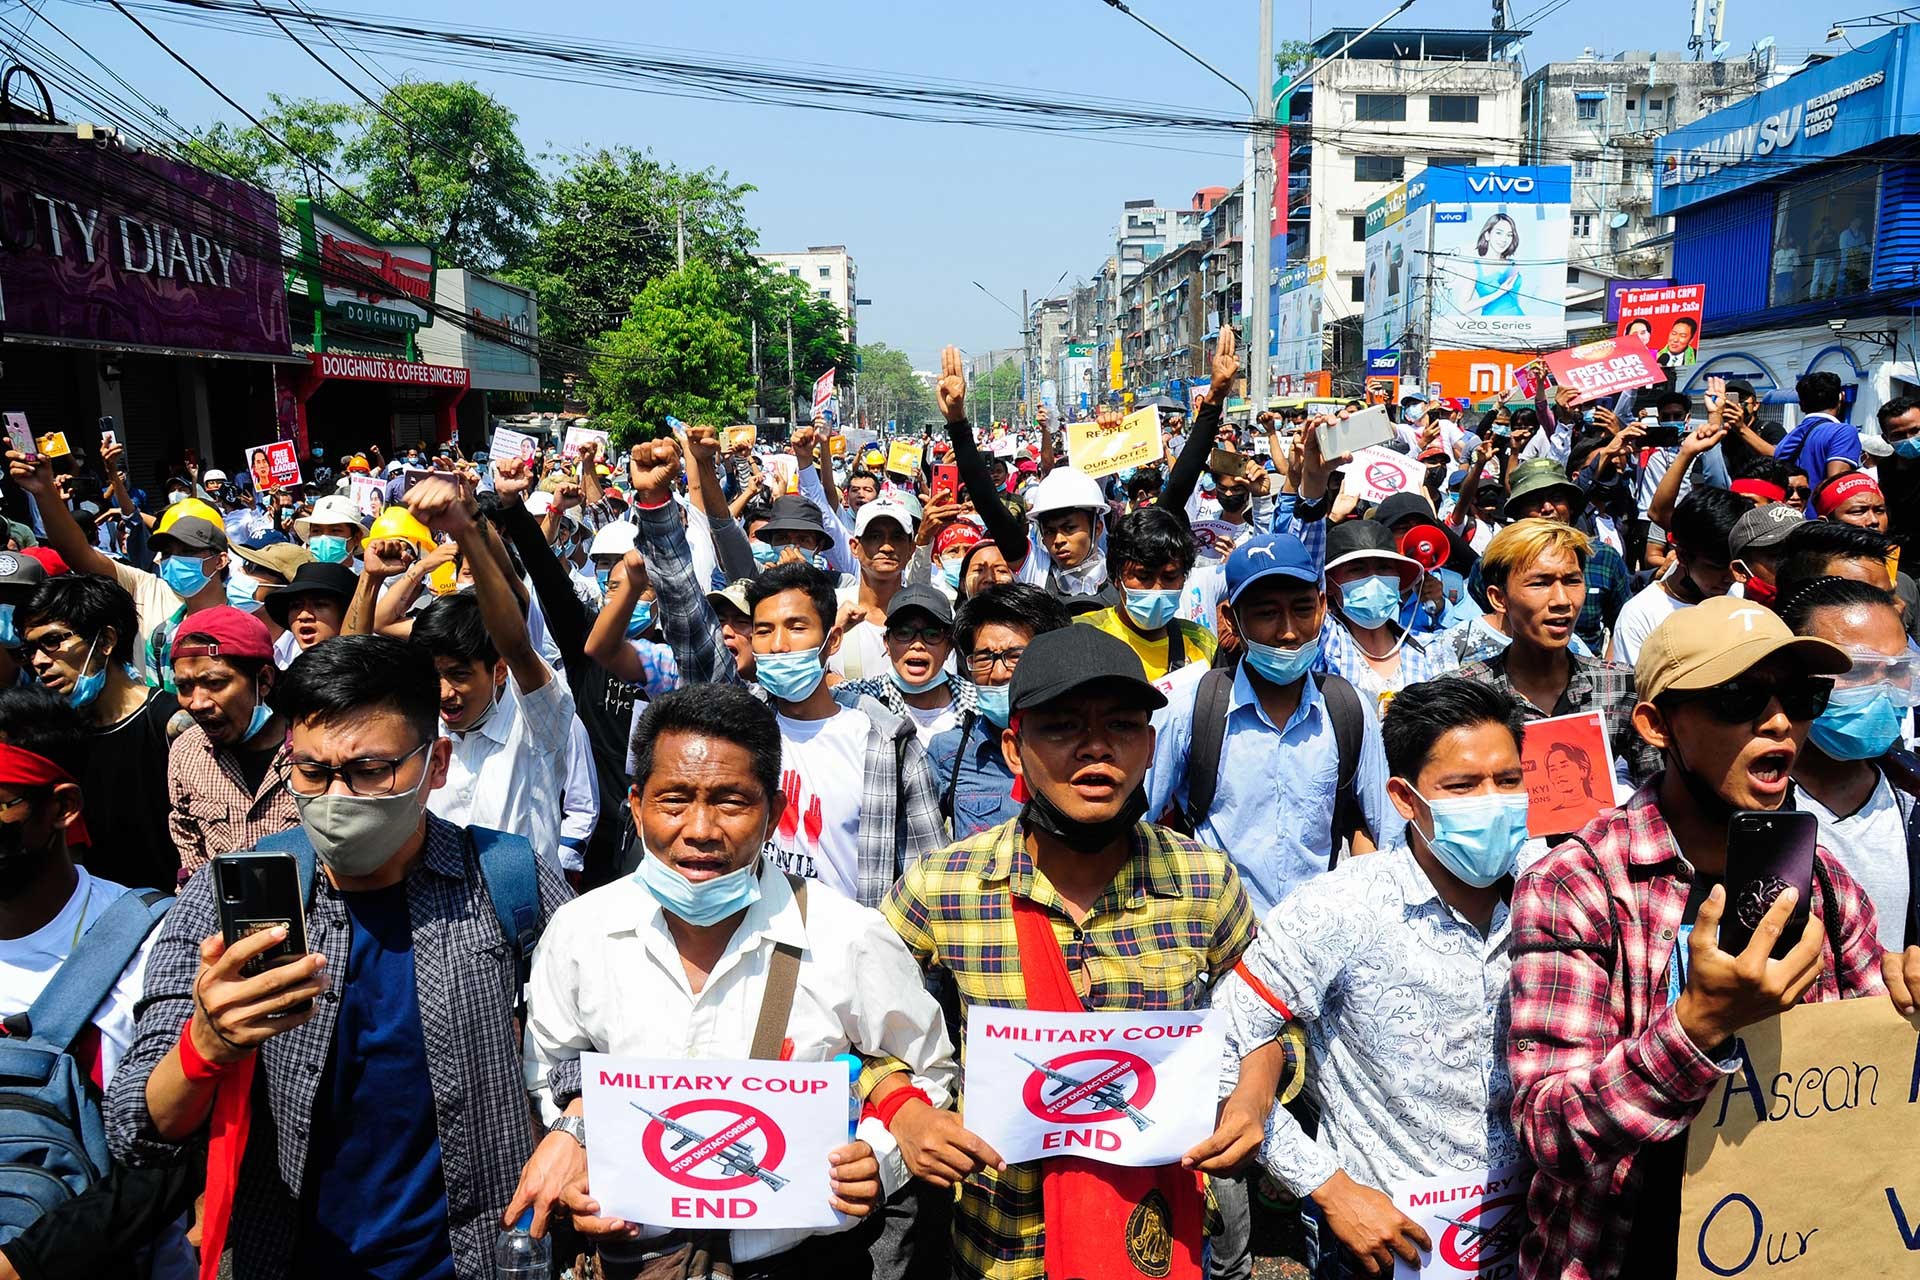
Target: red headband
(22, 768)
(1840, 488)
(1764, 490)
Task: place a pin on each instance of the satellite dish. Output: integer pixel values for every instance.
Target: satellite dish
(1719, 51)
(1765, 43)
(1618, 221)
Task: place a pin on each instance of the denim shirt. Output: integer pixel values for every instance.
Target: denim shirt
(982, 796)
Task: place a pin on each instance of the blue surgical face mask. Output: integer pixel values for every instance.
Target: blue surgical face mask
(765, 555)
(938, 678)
(258, 721)
(789, 677)
(1908, 448)
(1152, 609)
(240, 589)
(1278, 665)
(174, 496)
(708, 902)
(992, 701)
(1858, 724)
(184, 575)
(602, 576)
(642, 619)
(1371, 602)
(950, 570)
(9, 638)
(328, 548)
(1478, 838)
(87, 687)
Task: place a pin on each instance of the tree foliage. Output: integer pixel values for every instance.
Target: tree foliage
(890, 390)
(676, 353)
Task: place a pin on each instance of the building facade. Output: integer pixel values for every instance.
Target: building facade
(829, 271)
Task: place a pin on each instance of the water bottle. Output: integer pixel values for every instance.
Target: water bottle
(854, 1106)
(518, 1256)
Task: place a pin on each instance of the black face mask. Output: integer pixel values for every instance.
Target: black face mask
(1235, 502)
(19, 865)
(1041, 814)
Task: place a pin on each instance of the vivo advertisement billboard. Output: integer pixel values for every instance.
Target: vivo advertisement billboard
(1493, 244)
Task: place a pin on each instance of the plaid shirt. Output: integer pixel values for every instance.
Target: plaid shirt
(1174, 899)
(210, 809)
(1340, 654)
(1600, 1064)
(1593, 686)
(465, 972)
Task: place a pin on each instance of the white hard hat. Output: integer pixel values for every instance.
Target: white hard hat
(1065, 489)
(615, 539)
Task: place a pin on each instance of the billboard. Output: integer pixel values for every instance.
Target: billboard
(381, 284)
(1297, 318)
(1495, 241)
(1388, 269)
(98, 244)
(1474, 375)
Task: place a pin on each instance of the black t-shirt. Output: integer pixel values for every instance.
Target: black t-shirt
(1652, 1248)
(253, 765)
(125, 801)
(1740, 457)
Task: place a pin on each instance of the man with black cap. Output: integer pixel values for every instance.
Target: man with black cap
(1756, 545)
(1403, 511)
(921, 684)
(313, 604)
(796, 522)
(1373, 593)
(1076, 905)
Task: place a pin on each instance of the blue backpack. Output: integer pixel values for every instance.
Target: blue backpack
(53, 1140)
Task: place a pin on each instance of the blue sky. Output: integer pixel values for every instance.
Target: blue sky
(924, 209)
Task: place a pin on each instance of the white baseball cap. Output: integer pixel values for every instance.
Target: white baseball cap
(615, 539)
(883, 509)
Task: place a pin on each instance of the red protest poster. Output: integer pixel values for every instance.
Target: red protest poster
(275, 465)
(1569, 771)
(1667, 320)
(1606, 368)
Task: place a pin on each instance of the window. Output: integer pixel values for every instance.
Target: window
(826, 294)
(1453, 108)
(1360, 228)
(1656, 104)
(1450, 162)
(826, 273)
(1359, 289)
(1379, 168)
(1633, 104)
(1586, 167)
(1582, 225)
(1823, 238)
(1379, 106)
(1587, 109)
(794, 272)
(1573, 275)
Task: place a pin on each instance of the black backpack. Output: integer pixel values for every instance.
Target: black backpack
(1210, 733)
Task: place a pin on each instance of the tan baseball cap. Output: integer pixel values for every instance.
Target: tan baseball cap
(1719, 639)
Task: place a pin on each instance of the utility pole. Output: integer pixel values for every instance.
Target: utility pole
(680, 236)
(1026, 356)
(792, 395)
(753, 345)
(1260, 221)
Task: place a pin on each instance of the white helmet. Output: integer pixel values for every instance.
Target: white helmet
(615, 539)
(1065, 489)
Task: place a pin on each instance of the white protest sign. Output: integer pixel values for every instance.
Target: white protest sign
(369, 495)
(577, 436)
(1475, 1220)
(1214, 540)
(1378, 473)
(1123, 1088)
(713, 1144)
(509, 444)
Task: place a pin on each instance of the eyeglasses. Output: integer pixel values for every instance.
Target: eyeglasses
(366, 776)
(1744, 701)
(983, 661)
(49, 642)
(906, 633)
(1874, 670)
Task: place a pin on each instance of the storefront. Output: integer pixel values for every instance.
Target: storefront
(143, 290)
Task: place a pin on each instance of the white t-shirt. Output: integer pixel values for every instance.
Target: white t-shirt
(821, 767)
(28, 964)
(1871, 843)
(1650, 607)
(928, 723)
(862, 654)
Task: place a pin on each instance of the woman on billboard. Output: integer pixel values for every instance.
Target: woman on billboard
(1496, 282)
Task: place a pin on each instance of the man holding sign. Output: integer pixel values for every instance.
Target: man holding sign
(708, 952)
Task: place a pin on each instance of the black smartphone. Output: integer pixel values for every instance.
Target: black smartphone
(1767, 853)
(1664, 435)
(257, 891)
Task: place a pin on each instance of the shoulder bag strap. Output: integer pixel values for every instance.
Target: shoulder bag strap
(81, 984)
(1349, 730)
(959, 758)
(1209, 737)
(783, 979)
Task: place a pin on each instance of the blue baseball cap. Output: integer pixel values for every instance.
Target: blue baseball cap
(1271, 555)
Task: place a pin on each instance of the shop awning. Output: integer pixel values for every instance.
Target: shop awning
(1590, 95)
(135, 349)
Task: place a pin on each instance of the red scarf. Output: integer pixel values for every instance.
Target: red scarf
(1121, 1217)
(22, 768)
(227, 1130)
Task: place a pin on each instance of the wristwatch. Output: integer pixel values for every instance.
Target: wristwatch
(574, 1127)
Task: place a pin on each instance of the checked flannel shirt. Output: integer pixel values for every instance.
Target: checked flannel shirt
(1174, 920)
(1601, 1067)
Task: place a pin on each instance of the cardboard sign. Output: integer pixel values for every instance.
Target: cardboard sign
(1605, 368)
(783, 471)
(1121, 1088)
(1100, 451)
(823, 397)
(741, 436)
(1805, 1153)
(836, 446)
(1475, 1219)
(1214, 540)
(368, 494)
(713, 1144)
(1568, 764)
(508, 444)
(903, 457)
(274, 465)
(53, 444)
(20, 435)
(577, 436)
(1378, 473)
(1667, 320)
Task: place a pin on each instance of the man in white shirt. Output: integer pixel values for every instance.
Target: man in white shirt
(677, 962)
(509, 717)
(1701, 569)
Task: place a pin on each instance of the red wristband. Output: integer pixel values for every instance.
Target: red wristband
(899, 1098)
(195, 1068)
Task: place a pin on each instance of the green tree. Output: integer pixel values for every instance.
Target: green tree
(996, 392)
(819, 341)
(677, 352)
(889, 389)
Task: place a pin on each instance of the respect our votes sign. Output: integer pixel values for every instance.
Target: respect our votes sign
(673, 1143)
(1133, 1089)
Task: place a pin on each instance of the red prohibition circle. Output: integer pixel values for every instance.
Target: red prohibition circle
(1137, 1067)
(653, 1143)
(1466, 1245)
(1383, 476)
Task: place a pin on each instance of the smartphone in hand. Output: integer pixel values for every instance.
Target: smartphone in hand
(256, 891)
(1766, 853)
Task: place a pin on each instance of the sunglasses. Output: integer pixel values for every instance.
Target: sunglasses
(1744, 701)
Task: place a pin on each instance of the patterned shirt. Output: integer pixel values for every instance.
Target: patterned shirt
(466, 975)
(1600, 1064)
(1174, 920)
(1405, 1005)
(1340, 653)
(1593, 686)
(211, 810)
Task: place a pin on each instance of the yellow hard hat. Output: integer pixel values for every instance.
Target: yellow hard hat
(398, 522)
(185, 509)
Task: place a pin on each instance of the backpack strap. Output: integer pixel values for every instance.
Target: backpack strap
(507, 873)
(959, 758)
(81, 984)
(1176, 646)
(783, 979)
(1349, 731)
(1210, 702)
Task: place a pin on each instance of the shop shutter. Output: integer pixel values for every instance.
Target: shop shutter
(1896, 250)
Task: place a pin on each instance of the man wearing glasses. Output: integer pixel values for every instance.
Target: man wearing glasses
(1621, 1007)
(991, 632)
(409, 992)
